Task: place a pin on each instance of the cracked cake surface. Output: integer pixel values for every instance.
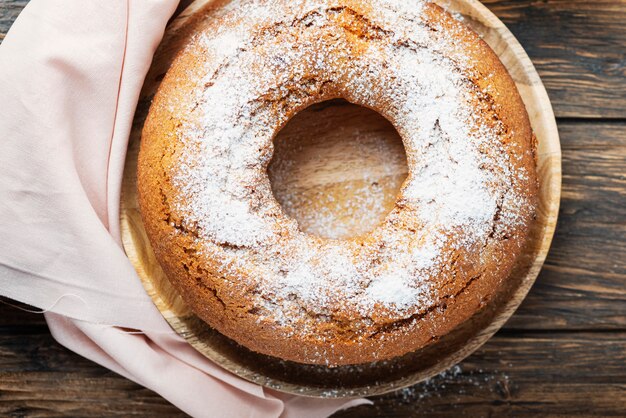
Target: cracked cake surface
(459, 222)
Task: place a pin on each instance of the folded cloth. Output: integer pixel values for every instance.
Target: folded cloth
(70, 76)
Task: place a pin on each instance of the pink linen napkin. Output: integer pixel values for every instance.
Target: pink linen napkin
(70, 76)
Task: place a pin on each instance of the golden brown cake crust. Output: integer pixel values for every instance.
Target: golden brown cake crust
(245, 268)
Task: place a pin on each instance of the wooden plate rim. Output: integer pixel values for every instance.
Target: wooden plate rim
(549, 167)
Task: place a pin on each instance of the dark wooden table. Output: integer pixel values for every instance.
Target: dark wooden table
(564, 351)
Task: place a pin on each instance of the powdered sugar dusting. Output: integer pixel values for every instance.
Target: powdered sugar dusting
(384, 57)
(394, 290)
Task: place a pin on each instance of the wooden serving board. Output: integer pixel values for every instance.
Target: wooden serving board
(323, 169)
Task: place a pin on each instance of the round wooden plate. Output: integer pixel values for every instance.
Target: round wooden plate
(380, 377)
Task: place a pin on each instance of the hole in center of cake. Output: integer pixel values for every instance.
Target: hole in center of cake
(337, 169)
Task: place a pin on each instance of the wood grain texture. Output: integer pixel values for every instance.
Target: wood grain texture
(521, 375)
(9, 10)
(304, 181)
(579, 48)
(40, 378)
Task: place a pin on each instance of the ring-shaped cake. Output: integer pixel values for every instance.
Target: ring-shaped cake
(459, 222)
